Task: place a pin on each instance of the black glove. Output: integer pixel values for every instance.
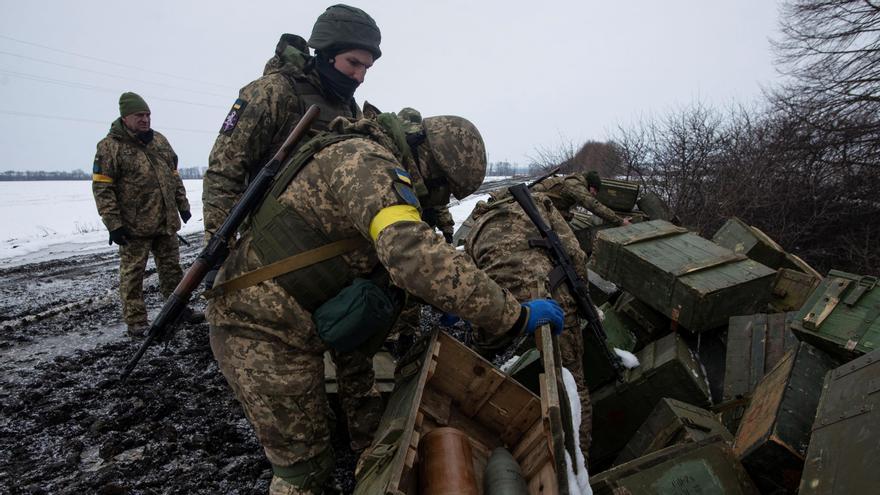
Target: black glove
(448, 237)
(119, 236)
(185, 215)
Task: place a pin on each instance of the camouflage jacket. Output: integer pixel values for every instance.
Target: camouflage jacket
(137, 186)
(341, 193)
(260, 120)
(570, 191)
(499, 245)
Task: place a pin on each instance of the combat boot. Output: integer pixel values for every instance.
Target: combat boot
(137, 330)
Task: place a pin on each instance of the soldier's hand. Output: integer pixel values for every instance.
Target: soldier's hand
(185, 215)
(539, 312)
(626, 220)
(119, 236)
(448, 237)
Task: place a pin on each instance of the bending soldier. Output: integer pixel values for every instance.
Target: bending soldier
(499, 245)
(139, 194)
(578, 189)
(361, 189)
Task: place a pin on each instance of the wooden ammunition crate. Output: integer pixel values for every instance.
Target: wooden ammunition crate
(597, 370)
(842, 316)
(704, 467)
(755, 344)
(775, 430)
(619, 195)
(672, 422)
(741, 237)
(667, 369)
(845, 446)
(791, 289)
(655, 208)
(691, 280)
(450, 385)
(646, 323)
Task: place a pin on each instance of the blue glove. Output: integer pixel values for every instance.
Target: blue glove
(543, 311)
(449, 319)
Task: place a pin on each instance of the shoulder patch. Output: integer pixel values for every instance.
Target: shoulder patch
(403, 176)
(96, 166)
(406, 193)
(233, 116)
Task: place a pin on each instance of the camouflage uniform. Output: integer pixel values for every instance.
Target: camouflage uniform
(137, 186)
(260, 120)
(570, 191)
(266, 342)
(499, 245)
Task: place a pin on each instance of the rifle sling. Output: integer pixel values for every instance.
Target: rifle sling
(286, 265)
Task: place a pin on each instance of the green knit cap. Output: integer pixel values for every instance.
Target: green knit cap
(130, 103)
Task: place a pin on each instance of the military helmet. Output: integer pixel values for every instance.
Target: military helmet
(410, 119)
(342, 27)
(458, 151)
(593, 179)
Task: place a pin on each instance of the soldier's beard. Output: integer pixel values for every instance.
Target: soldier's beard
(340, 85)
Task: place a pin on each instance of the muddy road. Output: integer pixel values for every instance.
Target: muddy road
(66, 423)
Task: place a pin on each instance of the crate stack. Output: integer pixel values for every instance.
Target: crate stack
(741, 344)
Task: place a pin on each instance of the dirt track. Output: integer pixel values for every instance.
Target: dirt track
(66, 423)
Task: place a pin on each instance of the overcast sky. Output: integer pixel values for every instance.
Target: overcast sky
(532, 75)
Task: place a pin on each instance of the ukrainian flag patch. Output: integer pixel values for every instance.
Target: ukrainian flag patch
(403, 176)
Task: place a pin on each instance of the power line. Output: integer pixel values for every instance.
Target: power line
(110, 74)
(78, 85)
(91, 121)
(105, 61)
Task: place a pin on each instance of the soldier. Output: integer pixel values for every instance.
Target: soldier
(499, 245)
(346, 42)
(352, 198)
(139, 195)
(578, 189)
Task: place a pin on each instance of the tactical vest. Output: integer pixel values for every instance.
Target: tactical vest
(280, 232)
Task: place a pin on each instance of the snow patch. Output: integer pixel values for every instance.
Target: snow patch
(579, 483)
(628, 359)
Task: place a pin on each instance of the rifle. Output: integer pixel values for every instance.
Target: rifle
(563, 270)
(218, 247)
(551, 173)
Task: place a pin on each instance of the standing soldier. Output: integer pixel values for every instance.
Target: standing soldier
(139, 194)
(578, 189)
(346, 42)
(353, 199)
(499, 245)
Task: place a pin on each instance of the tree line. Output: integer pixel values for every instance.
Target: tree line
(803, 164)
(13, 175)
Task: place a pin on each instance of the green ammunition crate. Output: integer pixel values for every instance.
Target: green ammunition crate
(655, 208)
(601, 290)
(691, 280)
(755, 344)
(672, 422)
(741, 237)
(619, 195)
(597, 370)
(706, 467)
(667, 369)
(775, 430)
(845, 446)
(646, 323)
(841, 315)
(791, 289)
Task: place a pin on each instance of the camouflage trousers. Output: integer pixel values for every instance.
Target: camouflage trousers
(281, 390)
(571, 350)
(132, 267)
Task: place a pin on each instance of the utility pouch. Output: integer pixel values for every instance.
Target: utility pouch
(359, 317)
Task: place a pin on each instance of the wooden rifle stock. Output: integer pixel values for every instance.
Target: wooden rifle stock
(217, 249)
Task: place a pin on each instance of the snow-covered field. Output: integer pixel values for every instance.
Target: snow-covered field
(46, 220)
